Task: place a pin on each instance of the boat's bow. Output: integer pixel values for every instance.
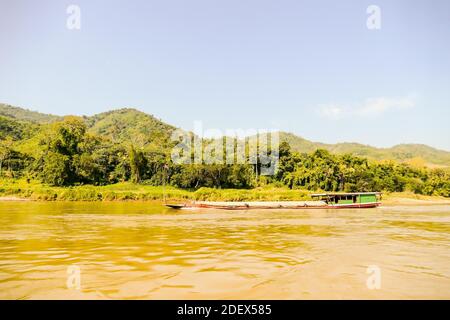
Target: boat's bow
(176, 206)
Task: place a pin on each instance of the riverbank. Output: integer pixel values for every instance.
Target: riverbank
(407, 198)
(11, 198)
(21, 190)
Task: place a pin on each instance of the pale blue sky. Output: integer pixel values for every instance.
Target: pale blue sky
(308, 67)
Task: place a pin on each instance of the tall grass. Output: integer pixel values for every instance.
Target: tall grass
(128, 191)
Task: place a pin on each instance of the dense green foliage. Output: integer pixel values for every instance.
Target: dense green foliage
(400, 153)
(131, 126)
(325, 171)
(140, 129)
(128, 145)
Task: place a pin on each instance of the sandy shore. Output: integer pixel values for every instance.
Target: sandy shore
(414, 202)
(12, 198)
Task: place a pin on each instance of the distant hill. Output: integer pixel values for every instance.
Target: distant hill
(16, 130)
(300, 144)
(401, 152)
(121, 125)
(130, 125)
(135, 127)
(26, 115)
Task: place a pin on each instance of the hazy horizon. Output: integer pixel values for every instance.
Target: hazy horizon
(311, 68)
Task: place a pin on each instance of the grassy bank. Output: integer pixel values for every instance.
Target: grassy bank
(35, 190)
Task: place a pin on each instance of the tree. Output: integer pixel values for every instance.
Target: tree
(62, 152)
(5, 151)
(67, 135)
(137, 164)
(56, 170)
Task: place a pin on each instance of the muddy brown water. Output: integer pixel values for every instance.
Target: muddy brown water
(137, 250)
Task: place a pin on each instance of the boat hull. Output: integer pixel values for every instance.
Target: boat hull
(248, 206)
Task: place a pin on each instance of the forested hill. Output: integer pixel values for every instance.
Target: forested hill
(417, 154)
(26, 115)
(120, 126)
(130, 125)
(141, 129)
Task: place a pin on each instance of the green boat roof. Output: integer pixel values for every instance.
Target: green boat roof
(345, 194)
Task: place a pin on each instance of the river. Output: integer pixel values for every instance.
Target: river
(133, 250)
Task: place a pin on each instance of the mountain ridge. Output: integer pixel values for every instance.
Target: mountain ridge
(400, 152)
(139, 128)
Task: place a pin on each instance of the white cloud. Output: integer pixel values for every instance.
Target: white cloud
(370, 107)
(374, 106)
(331, 111)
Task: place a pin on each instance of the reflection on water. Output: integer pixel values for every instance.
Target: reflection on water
(144, 251)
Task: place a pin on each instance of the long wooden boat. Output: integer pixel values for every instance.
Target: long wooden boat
(320, 201)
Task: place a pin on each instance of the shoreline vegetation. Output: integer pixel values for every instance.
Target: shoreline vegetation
(125, 155)
(22, 190)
